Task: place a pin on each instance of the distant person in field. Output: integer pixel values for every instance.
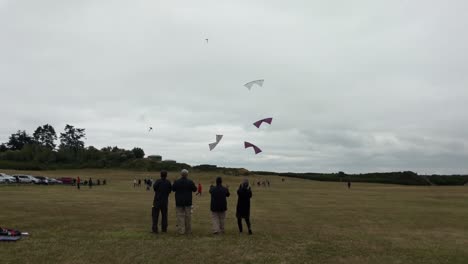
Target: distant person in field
(90, 183)
(183, 188)
(282, 179)
(218, 205)
(268, 183)
(349, 184)
(98, 182)
(199, 189)
(244, 193)
(139, 182)
(78, 182)
(148, 185)
(162, 189)
(134, 183)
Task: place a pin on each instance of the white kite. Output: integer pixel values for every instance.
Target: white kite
(257, 82)
(213, 145)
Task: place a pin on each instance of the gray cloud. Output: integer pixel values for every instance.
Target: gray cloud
(361, 86)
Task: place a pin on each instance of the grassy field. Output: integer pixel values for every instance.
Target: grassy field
(298, 221)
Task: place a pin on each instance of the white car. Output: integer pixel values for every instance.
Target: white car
(53, 181)
(5, 178)
(26, 178)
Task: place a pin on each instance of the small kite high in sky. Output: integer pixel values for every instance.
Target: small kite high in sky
(150, 129)
(250, 84)
(213, 145)
(206, 40)
(250, 145)
(265, 120)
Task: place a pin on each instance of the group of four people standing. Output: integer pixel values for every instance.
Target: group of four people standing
(183, 189)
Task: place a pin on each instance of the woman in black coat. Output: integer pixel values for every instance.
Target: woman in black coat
(243, 205)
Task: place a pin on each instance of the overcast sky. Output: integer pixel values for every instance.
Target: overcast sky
(357, 86)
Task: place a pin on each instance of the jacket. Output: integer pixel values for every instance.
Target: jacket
(243, 202)
(162, 189)
(218, 198)
(183, 189)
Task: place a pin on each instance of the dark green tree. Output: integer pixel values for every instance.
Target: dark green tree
(45, 136)
(18, 140)
(72, 138)
(3, 147)
(138, 152)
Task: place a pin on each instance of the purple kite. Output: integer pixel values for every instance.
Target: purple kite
(266, 120)
(248, 145)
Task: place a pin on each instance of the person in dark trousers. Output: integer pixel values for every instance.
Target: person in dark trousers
(78, 182)
(139, 182)
(244, 193)
(98, 182)
(183, 188)
(349, 184)
(199, 189)
(218, 205)
(104, 182)
(90, 183)
(162, 189)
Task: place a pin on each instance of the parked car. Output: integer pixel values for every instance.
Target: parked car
(5, 178)
(42, 180)
(66, 180)
(54, 181)
(21, 178)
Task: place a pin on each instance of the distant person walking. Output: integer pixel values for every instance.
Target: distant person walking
(162, 189)
(218, 206)
(148, 184)
(134, 183)
(199, 189)
(78, 182)
(183, 188)
(139, 182)
(349, 184)
(90, 183)
(244, 194)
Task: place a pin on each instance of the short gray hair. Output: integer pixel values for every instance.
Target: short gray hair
(184, 172)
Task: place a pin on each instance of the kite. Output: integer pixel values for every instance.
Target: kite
(213, 145)
(11, 235)
(265, 120)
(206, 40)
(150, 129)
(248, 145)
(250, 84)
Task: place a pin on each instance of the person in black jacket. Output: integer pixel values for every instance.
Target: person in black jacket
(183, 188)
(162, 189)
(244, 194)
(218, 205)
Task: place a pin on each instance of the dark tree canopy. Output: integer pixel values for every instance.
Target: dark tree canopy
(18, 140)
(45, 136)
(72, 137)
(138, 152)
(3, 147)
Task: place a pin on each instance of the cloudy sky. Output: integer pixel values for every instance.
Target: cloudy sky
(356, 86)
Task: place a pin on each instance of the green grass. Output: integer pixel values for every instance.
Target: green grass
(298, 221)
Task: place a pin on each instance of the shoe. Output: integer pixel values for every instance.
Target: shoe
(250, 232)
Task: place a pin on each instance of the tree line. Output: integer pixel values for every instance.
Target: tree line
(40, 151)
(399, 177)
